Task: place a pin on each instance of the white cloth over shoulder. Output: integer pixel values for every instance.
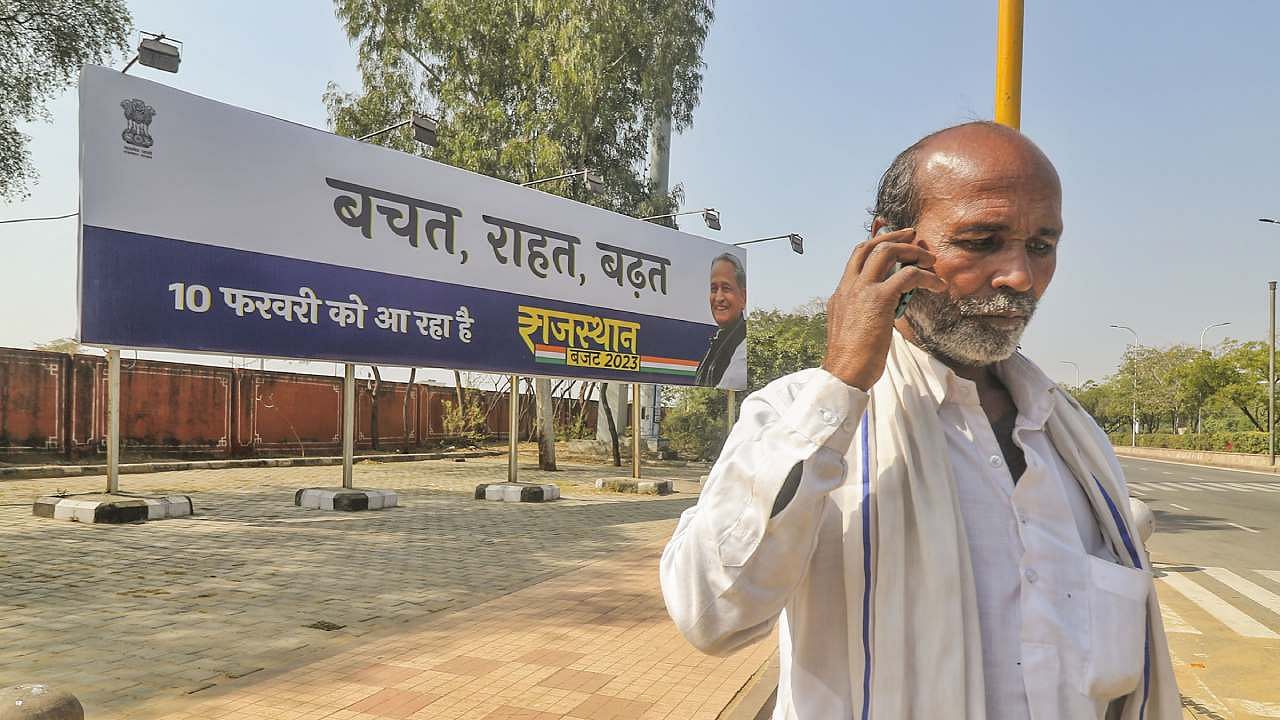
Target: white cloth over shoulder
(875, 528)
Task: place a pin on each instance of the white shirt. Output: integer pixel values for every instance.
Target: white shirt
(1032, 547)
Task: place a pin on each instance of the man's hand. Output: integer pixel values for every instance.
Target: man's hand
(860, 313)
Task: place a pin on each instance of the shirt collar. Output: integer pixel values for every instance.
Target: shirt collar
(1031, 389)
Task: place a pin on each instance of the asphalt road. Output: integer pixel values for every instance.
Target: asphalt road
(1216, 551)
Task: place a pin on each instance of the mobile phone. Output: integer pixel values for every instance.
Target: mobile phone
(906, 296)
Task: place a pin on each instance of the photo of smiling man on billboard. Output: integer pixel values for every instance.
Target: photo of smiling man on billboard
(725, 364)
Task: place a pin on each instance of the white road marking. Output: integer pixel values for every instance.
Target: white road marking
(1239, 486)
(1246, 529)
(1135, 491)
(1262, 596)
(1261, 709)
(1173, 623)
(1193, 477)
(1273, 575)
(1185, 509)
(1162, 486)
(1166, 472)
(1213, 488)
(1265, 488)
(1186, 486)
(1225, 613)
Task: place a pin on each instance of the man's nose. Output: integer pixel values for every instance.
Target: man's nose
(1015, 271)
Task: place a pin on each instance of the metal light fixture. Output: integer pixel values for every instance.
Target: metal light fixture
(595, 184)
(154, 52)
(797, 242)
(710, 216)
(424, 130)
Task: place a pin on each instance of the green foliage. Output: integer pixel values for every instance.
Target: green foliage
(780, 343)
(695, 424)
(1239, 442)
(1226, 387)
(465, 422)
(529, 89)
(43, 43)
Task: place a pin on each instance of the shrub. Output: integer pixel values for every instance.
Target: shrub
(1250, 441)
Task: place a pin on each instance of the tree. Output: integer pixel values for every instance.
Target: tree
(1245, 365)
(43, 43)
(404, 410)
(527, 90)
(780, 343)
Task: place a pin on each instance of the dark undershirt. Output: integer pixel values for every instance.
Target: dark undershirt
(1013, 457)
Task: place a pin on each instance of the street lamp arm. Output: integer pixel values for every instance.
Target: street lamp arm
(678, 214)
(386, 129)
(562, 176)
(759, 240)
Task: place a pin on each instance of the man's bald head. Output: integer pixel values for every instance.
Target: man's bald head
(971, 154)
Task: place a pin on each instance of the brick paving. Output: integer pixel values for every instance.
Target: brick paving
(450, 600)
(592, 644)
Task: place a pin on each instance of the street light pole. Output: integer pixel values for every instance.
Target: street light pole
(1202, 332)
(1133, 442)
(1271, 372)
(1077, 367)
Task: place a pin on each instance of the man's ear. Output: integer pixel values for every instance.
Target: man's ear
(876, 223)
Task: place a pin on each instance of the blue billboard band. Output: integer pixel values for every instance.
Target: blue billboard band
(204, 298)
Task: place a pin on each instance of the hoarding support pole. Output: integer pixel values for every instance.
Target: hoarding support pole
(513, 432)
(113, 420)
(635, 430)
(348, 422)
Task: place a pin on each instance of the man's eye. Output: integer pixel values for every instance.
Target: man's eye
(1041, 248)
(977, 244)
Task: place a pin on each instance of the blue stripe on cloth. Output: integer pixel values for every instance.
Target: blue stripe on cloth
(1137, 563)
(866, 573)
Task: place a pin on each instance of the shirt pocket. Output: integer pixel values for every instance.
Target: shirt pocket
(1117, 629)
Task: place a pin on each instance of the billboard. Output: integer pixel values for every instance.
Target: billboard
(210, 228)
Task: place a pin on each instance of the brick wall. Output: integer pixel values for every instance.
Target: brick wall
(52, 403)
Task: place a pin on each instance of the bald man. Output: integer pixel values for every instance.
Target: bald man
(932, 526)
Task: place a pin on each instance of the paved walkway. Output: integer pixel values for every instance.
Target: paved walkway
(592, 644)
(143, 620)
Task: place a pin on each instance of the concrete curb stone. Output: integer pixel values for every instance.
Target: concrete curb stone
(36, 701)
(640, 487)
(112, 509)
(345, 499)
(517, 492)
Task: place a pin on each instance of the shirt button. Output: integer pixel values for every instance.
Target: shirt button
(1031, 575)
(996, 461)
(827, 416)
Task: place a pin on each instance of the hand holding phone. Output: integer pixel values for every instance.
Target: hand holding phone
(906, 296)
(878, 280)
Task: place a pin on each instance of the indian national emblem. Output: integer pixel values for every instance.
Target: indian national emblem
(139, 115)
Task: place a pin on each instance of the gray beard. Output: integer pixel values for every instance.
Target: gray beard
(952, 329)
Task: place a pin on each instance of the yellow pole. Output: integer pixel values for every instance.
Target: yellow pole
(1009, 63)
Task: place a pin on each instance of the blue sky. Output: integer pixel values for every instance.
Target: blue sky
(1161, 118)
